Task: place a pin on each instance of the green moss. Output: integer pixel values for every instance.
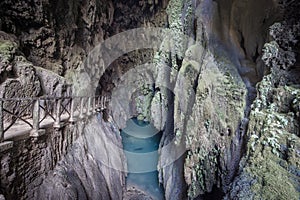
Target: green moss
(273, 143)
(143, 102)
(140, 117)
(219, 107)
(7, 49)
(204, 167)
(273, 181)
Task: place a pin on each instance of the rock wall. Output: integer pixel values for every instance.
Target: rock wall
(24, 167)
(51, 40)
(270, 167)
(198, 91)
(242, 27)
(20, 78)
(82, 161)
(210, 79)
(56, 35)
(94, 168)
(59, 35)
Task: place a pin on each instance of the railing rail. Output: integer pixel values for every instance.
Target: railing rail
(48, 109)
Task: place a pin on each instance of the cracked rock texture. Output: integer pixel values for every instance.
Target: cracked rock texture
(24, 167)
(42, 48)
(20, 78)
(270, 168)
(92, 169)
(230, 128)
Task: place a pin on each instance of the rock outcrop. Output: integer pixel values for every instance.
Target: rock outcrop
(24, 167)
(213, 88)
(228, 127)
(94, 167)
(20, 78)
(206, 79)
(270, 168)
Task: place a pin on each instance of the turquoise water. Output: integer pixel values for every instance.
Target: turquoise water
(140, 142)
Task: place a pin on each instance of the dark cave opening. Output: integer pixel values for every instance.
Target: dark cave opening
(112, 74)
(215, 194)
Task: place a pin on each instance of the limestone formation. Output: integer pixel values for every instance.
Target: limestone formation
(207, 74)
(269, 169)
(93, 168)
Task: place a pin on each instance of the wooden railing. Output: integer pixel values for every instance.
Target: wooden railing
(45, 110)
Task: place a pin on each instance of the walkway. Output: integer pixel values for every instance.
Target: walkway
(26, 117)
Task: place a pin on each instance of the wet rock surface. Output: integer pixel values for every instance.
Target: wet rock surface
(20, 78)
(134, 194)
(199, 90)
(93, 168)
(270, 168)
(24, 167)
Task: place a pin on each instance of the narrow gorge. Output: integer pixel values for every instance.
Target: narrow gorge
(150, 99)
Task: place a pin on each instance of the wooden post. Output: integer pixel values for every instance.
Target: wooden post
(36, 131)
(42, 111)
(36, 115)
(88, 111)
(99, 102)
(4, 145)
(102, 103)
(94, 105)
(81, 115)
(1, 122)
(71, 119)
(57, 114)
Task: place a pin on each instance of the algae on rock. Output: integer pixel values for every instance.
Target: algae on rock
(271, 166)
(213, 128)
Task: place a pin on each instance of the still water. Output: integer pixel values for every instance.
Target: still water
(140, 141)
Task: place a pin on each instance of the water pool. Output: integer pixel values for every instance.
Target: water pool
(140, 142)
